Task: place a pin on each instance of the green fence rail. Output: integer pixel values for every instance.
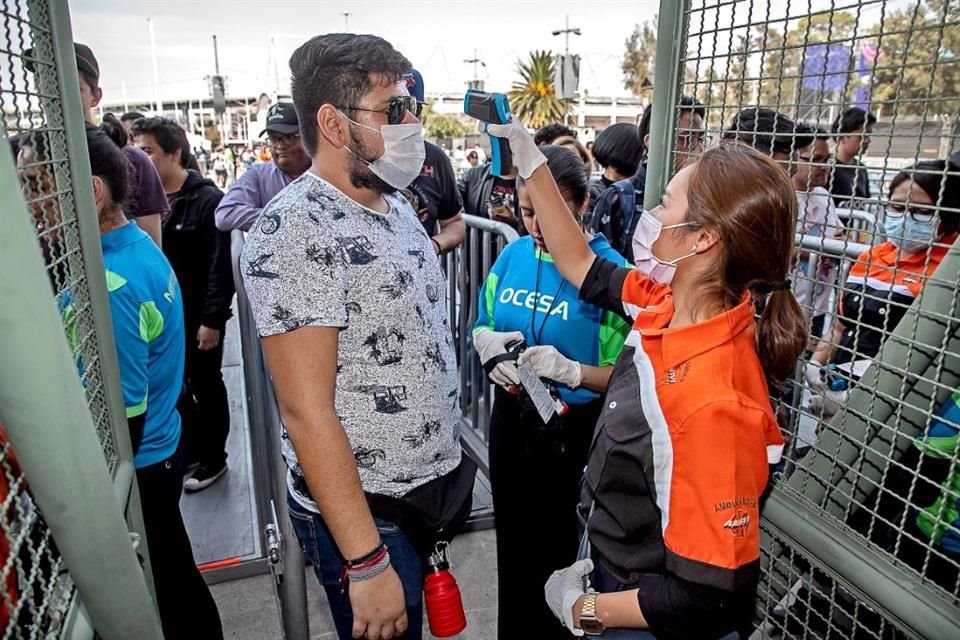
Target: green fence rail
(68, 563)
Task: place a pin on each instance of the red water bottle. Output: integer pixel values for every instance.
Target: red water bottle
(442, 596)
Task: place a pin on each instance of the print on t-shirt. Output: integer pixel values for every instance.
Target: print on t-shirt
(503, 200)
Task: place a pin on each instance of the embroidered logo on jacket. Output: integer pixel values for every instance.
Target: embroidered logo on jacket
(738, 523)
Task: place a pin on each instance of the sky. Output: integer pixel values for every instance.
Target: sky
(437, 36)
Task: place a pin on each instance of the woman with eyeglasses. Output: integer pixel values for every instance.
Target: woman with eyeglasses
(921, 221)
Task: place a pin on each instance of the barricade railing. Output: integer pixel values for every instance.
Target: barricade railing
(467, 267)
(280, 548)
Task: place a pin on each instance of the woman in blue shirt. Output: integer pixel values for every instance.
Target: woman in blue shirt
(535, 467)
(147, 317)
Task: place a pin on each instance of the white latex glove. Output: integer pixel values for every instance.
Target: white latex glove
(526, 155)
(812, 374)
(828, 403)
(562, 590)
(553, 365)
(489, 344)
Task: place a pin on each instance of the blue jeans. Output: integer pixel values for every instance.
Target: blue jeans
(319, 547)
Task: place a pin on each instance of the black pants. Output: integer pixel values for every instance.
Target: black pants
(187, 610)
(207, 423)
(535, 472)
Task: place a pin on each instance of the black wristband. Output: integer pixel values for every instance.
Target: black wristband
(365, 557)
(437, 245)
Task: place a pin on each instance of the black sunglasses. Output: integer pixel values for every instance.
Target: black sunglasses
(397, 109)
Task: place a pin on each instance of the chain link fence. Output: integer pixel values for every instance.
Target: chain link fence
(859, 101)
(42, 124)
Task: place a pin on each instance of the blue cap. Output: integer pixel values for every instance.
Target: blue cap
(414, 84)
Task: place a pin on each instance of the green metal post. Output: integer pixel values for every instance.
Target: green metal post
(860, 451)
(666, 80)
(46, 418)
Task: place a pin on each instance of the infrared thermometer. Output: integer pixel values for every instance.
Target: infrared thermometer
(492, 108)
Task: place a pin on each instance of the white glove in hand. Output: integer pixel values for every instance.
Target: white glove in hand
(563, 589)
(828, 403)
(526, 155)
(490, 344)
(812, 374)
(553, 365)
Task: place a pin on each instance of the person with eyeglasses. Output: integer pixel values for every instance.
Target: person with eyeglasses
(347, 294)
(921, 222)
(256, 187)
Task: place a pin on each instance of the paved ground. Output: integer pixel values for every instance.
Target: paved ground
(249, 612)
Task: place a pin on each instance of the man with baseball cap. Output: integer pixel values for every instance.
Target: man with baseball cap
(434, 194)
(257, 186)
(148, 203)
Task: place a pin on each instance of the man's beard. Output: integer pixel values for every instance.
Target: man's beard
(360, 175)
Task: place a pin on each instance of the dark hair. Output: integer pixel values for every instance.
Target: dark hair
(112, 127)
(819, 133)
(336, 69)
(131, 115)
(473, 154)
(619, 147)
(168, 134)
(768, 131)
(687, 104)
(107, 161)
(852, 119)
(569, 172)
(748, 200)
(550, 132)
(939, 179)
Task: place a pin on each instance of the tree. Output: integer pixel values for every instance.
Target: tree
(918, 64)
(639, 58)
(534, 99)
(439, 125)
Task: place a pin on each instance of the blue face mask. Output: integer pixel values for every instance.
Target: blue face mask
(908, 234)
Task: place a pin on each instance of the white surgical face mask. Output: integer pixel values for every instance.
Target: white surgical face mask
(648, 230)
(403, 153)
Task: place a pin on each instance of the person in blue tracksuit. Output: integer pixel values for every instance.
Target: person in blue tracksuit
(535, 467)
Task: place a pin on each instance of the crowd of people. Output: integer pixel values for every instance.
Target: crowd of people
(631, 512)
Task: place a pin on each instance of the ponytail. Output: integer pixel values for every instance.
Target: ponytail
(749, 202)
(781, 330)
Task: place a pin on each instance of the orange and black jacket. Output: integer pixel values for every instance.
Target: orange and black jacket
(679, 460)
(879, 289)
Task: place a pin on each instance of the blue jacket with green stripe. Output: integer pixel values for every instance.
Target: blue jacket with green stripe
(525, 292)
(147, 313)
(941, 520)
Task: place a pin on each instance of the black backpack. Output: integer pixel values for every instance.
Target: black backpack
(617, 212)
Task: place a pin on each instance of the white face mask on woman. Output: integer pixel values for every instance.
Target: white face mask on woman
(909, 234)
(648, 230)
(403, 153)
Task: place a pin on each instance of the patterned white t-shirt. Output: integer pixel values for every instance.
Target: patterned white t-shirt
(316, 258)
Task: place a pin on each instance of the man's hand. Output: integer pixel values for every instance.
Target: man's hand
(379, 608)
(207, 338)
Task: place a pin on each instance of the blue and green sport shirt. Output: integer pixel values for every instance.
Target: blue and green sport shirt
(525, 292)
(147, 314)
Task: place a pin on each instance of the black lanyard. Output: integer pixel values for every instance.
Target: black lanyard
(537, 335)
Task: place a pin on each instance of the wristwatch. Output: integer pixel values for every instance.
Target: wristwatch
(589, 622)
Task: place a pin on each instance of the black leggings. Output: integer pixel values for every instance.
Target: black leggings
(187, 610)
(535, 472)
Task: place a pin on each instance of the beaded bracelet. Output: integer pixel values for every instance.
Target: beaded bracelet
(365, 568)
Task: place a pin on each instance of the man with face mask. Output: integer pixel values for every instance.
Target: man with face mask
(347, 290)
